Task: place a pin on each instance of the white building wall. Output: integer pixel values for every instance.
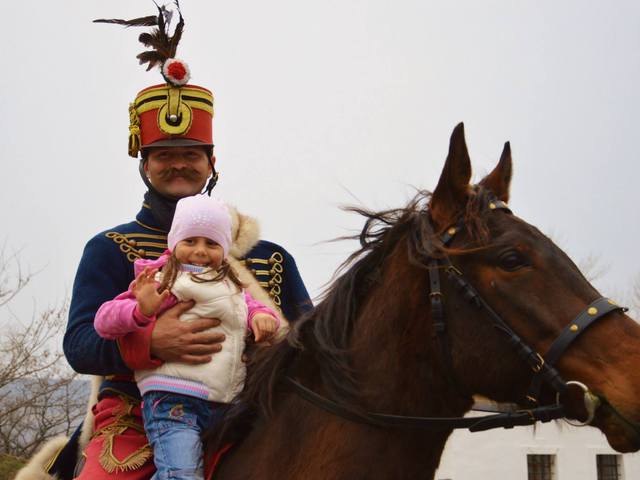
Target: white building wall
(502, 454)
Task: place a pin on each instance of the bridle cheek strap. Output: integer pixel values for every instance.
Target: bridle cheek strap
(543, 367)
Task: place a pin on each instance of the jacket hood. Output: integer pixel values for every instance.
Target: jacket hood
(245, 232)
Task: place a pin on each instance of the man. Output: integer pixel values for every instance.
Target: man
(171, 129)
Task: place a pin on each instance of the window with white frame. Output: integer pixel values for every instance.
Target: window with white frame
(609, 467)
(541, 467)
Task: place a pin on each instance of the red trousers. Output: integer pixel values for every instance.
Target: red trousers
(118, 448)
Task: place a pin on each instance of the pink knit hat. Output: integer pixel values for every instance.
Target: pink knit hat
(201, 216)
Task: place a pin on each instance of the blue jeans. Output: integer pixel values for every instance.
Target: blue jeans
(174, 424)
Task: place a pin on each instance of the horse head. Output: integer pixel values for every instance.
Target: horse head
(449, 297)
(535, 288)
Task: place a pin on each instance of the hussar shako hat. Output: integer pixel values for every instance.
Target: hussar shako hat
(173, 113)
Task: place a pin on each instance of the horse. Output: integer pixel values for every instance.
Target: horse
(449, 297)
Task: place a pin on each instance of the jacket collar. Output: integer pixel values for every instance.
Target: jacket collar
(146, 218)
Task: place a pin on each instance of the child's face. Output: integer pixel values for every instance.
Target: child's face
(199, 251)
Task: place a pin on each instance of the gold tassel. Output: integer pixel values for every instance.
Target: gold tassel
(134, 131)
(121, 423)
(134, 461)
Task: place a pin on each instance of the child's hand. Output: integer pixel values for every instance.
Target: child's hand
(263, 326)
(146, 292)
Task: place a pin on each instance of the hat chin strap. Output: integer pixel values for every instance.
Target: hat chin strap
(144, 177)
(213, 180)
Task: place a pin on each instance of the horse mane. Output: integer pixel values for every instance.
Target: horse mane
(322, 335)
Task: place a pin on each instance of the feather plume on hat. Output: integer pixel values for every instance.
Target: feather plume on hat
(163, 45)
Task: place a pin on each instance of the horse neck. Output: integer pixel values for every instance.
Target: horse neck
(398, 372)
(398, 361)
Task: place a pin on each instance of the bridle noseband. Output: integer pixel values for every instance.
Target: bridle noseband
(543, 367)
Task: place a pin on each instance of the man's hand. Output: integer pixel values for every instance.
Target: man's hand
(186, 342)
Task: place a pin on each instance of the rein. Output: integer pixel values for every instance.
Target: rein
(474, 424)
(543, 367)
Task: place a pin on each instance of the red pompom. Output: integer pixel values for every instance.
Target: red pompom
(177, 70)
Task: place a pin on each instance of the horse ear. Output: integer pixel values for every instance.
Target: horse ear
(499, 180)
(451, 194)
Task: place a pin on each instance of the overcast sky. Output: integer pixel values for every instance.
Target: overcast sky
(324, 103)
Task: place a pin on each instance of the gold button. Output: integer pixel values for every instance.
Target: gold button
(574, 328)
(451, 231)
(492, 206)
(592, 311)
(141, 252)
(132, 243)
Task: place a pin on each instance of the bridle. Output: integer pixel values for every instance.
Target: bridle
(543, 367)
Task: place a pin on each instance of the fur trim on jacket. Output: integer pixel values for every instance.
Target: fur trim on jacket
(37, 466)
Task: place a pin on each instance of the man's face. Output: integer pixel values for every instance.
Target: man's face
(178, 172)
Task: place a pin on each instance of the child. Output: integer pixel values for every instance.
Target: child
(180, 400)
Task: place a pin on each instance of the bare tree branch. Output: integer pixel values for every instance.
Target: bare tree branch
(592, 268)
(40, 396)
(12, 278)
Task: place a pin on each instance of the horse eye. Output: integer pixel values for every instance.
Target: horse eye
(511, 260)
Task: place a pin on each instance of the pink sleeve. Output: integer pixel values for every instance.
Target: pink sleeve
(120, 316)
(256, 307)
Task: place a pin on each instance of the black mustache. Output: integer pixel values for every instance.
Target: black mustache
(187, 173)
